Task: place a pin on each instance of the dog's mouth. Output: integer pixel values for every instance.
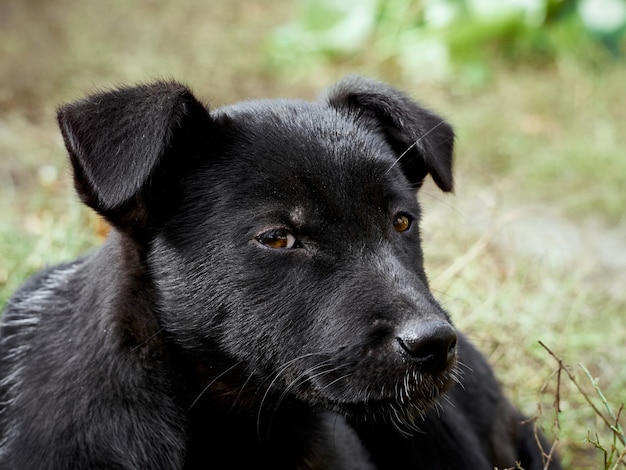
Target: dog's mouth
(403, 375)
(396, 378)
(396, 390)
(401, 392)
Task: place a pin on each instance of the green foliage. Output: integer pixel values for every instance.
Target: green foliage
(435, 38)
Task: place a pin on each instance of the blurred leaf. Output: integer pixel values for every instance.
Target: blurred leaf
(433, 38)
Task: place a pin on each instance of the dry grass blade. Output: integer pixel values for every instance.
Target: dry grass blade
(615, 454)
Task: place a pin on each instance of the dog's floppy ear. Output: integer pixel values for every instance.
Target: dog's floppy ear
(128, 145)
(423, 141)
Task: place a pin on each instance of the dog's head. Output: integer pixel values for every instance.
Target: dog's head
(281, 238)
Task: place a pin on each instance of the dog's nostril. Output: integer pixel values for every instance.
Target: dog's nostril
(431, 343)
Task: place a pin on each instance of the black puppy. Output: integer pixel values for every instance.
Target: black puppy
(260, 302)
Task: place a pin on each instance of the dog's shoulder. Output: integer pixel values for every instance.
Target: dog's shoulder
(69, 384)
(35, 300)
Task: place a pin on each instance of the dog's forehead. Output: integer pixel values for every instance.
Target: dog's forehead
(307, 138)
(306, 150)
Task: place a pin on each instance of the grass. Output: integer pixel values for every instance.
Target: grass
(509, 305)
(530, 249)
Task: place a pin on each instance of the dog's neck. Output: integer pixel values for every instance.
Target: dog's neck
(129, 307)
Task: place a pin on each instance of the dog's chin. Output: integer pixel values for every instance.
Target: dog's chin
(402, 402)
(404, 416)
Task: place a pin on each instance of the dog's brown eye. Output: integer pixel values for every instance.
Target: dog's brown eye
(402, 222)
(278, 239)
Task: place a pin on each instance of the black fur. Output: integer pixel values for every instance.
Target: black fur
(260, 301)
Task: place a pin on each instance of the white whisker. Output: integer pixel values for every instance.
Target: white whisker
(278, 373)
(413, 145)
(211, 383)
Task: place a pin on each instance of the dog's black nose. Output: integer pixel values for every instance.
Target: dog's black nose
(431, 343)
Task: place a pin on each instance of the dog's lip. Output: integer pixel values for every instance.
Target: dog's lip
(412, 385)
(405, 409)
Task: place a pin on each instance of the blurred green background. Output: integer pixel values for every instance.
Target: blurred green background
(531, 247)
